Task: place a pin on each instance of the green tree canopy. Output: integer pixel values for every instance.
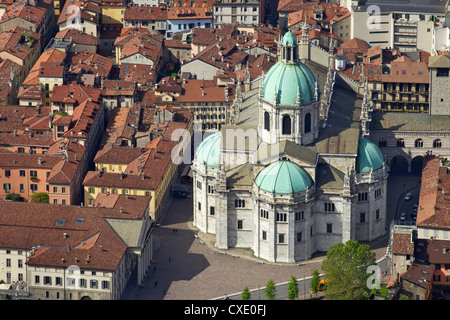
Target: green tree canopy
(293, 289)
(270, 290)
(314, 284)
(40, 197)
(345, 269)
(245, 295)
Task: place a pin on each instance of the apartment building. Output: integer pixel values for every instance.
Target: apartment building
(48, 71)
(210, 103)
(33, 15)
(152, 18)
(22, 47)
(86, 19)
(187, 18)
(223, 55)
(81, 41)
(242, 12)
(57, 252)
(407, 26)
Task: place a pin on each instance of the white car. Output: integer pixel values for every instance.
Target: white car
(408, 196)
(403, 216)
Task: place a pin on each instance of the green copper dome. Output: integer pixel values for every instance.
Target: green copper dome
(369, 156)
(289, 39)
(283, 177)
(287, 80)
(208, 150)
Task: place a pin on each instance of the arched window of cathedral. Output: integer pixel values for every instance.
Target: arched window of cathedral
(382, 142)
(266, 121)
(418, 143)
(401, 143)
(437, 143)
(286, 125)
(307, 122)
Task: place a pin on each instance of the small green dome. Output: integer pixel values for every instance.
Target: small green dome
(208, 150)
(283, 177)
(289, 39)
(369, 156)
(286, 80)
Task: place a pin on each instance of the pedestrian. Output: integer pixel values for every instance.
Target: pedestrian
(169, 259)
(156, 283)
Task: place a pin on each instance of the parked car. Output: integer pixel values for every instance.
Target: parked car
(403, 216)
(413, 219)
(415, 207)
(408, 196)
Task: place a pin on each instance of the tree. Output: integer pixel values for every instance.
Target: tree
(345, 269)
(270, 290)
(314, 284)
(14, 197)
(293, 289)
(245, 294)
(40, 197)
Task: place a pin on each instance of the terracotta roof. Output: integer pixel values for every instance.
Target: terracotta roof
(193, 92)
(77, 36)
(432, 251)
(405, 71)
(190, 13)
(12, 41)
(31, 92)
(147, 169)
(23, 10)
(402, 243)
(86, 62)
(90, 243)
(124, 204)
(64, 171)
(53, 57)
(89, 11)
(149, 46)
(139, 73)
(26, 139)
(419, 274)
(434, 197)
(222, 55)
(123, 124)
(12, 117)
(140, 13)
(128, 33)
(204, 36)
(118, 87)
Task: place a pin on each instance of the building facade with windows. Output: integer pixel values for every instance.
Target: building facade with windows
(52, 252)
(286, 185)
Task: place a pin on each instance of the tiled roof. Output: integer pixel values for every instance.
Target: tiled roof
(12, 117)
(63, 235)
(77, 36)
(419, 274)
(193, 92)
(402, 243)
(89, 11)
(12, 42)
(405, 71)
(140, 13)
(93, 63)
(23, 10)
(434, 199)
(149, 46)
(54, 57)
(432, 251)
(222, 55)
(190, 13)
(140, 73)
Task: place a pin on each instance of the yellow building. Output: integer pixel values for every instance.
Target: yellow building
(113, 11)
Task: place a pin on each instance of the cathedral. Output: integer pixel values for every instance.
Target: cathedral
(281, 181)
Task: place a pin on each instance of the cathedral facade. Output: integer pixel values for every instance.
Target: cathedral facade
(287, 185)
